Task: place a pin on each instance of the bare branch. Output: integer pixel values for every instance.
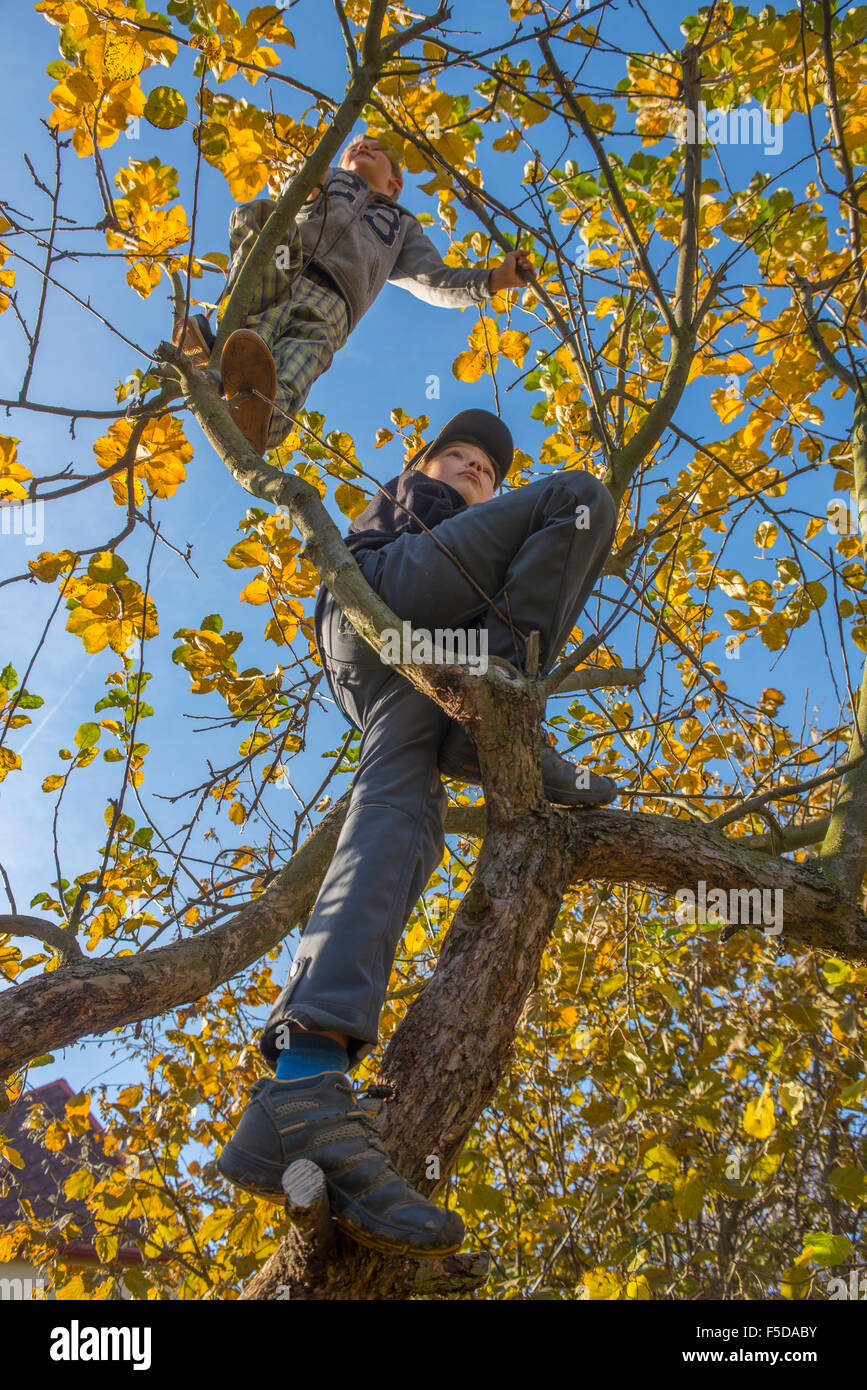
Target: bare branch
(58, 938)
(617, 199)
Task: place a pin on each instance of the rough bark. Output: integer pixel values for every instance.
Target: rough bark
(844, 850)
(451, 1051)
(93, 996)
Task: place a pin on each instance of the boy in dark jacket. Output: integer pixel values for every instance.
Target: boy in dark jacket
(543, 545)
(350, 237)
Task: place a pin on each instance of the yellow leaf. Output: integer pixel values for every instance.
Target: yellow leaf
(795, 1283)
(754, 431)
(639, 1289)
(726, 406)
(10, 1239)
(468, 366)
(482, 355)
(689, 1193)
(766, 534)
(760, 1117)
(514, 345)
(143, 278)
(74, 1290)
(414, 940)
(80, 1184)
(661, 1163)
(601, 1285)
(9, 762)
(112, 615)
(246, 553)
(47, 566)
(78, 1114)
(255, 592)
(106, 567)
(351, 500)
(12, 473)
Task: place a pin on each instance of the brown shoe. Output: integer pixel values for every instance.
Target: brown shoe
(247, 365)
(198, 340)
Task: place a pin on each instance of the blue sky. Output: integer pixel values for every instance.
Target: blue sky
(387, 362)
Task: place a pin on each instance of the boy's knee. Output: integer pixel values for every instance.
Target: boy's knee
(588, 492)
(604, 507)
(252, 216)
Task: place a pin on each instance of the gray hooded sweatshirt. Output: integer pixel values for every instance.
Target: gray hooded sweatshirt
(362, 238)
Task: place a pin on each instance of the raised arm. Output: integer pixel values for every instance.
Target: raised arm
(420, 269)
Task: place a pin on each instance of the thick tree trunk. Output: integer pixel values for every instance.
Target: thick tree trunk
(449, 1054)
(451, 1051)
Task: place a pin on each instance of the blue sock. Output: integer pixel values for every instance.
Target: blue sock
(310, 1054)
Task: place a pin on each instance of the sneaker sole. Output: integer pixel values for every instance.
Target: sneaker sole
(588, 801)
(384, 1247)
(248, 1183)
(246, 364)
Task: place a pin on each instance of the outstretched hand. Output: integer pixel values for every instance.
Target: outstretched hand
(513, 272)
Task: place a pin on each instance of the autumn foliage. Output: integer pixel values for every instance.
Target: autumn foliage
(683, 1113)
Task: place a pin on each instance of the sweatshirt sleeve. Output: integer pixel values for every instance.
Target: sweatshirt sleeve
(420, 269)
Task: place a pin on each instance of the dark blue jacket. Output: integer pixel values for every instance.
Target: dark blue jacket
(406, 501)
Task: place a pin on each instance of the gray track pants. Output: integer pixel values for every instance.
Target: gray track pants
(525, 542)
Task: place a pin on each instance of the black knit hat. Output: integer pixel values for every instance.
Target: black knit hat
(473, 427)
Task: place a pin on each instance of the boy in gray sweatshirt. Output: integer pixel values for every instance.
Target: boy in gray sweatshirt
(349, 238)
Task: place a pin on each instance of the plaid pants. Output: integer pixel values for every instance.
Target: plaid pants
(303, 322)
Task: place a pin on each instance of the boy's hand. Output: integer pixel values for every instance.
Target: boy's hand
(513, 273)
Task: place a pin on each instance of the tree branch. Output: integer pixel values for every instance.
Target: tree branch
(58, 938)
(603, 677)
(632, 236)
(645, 850)
(687, 260)
(804, 295)
(844, 849)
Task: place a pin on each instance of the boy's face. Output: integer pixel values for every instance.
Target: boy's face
(364, 157)
(466, 468)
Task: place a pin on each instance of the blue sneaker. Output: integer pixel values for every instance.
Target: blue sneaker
(320, 1119)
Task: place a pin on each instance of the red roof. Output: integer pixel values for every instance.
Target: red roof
(45, 1171)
